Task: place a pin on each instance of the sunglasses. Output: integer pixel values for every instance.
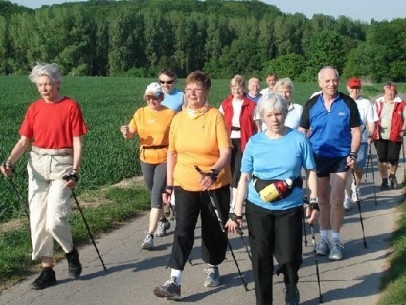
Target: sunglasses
(169, 82)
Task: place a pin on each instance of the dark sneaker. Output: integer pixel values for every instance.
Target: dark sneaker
(75, 268)
(292, 295)
(45, 279)
(163, 226)
(170, 290)
(393, 182)
(148, 243)
(213, 276)
(384, 185)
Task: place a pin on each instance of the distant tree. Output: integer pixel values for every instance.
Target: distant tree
(289, 65)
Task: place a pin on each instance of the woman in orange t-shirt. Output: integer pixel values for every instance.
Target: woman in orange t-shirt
(152, 123)
(198, 139)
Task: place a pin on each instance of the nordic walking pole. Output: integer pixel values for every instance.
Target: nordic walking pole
(214, 202)
(359, 210)
(67, 178)
(25, 206)
(316, 262)
(87, 227)
(369, 160)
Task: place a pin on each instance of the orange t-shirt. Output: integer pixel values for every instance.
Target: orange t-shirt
(197, 142)
(53, 125)
(153, 129)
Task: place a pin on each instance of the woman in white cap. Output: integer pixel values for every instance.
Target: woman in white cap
(151, 123)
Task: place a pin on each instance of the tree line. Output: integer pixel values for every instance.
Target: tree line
(223, 38)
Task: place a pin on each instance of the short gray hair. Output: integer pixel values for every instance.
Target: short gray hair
(283, 83)
(271, 102)
(45, 69)
(328, 68)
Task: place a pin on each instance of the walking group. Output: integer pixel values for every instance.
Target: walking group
(245, 158)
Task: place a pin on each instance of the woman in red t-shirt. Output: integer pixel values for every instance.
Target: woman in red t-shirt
(54, 127)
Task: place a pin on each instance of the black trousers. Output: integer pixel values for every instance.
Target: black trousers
(279, 234)
(235, 163)
(188, 206)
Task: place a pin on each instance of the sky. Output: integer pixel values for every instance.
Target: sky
(364, 10)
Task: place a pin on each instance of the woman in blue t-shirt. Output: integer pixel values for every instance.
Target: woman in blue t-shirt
(271, 167)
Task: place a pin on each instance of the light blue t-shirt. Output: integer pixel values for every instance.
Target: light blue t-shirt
(174, 100)
(277, 159)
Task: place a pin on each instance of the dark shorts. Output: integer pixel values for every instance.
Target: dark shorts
(388, 151)
(326, 166)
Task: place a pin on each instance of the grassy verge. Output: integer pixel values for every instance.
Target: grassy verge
(394, 282)
(104, 210)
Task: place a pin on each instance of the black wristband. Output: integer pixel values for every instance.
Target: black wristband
(213, 174)
(314, 206)
(234, 217)
(353, 155)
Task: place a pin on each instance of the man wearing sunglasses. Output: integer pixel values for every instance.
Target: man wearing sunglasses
(173, 97)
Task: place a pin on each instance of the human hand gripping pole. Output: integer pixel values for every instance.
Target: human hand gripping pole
(74, 177)
(7, 169)
(214, 202)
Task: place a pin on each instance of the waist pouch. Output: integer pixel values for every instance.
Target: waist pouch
(270, 191)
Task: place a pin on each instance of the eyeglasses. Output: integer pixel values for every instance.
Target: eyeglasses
(169, 82)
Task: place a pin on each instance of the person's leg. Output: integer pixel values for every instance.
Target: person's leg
(393, 158)
(338, 181)
(382, 152)
(288, 249)
(261, 230)
(347, 192)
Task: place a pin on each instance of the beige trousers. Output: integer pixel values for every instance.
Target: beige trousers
(49, 200)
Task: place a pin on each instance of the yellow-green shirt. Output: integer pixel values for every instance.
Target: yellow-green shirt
(197, 142)
(153, 130)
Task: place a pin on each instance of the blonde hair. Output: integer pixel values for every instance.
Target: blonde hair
(237, 80)
(283, 83)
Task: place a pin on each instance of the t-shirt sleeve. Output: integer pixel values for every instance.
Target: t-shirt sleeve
(304, 118)
(26, 128)
(134, 122)
(355, 118)
(78, 123)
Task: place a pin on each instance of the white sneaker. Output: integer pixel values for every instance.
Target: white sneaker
(323, 247)
(336, 251)
(355, 193)
(347, 204)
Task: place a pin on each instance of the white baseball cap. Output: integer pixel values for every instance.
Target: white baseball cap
(153, 89)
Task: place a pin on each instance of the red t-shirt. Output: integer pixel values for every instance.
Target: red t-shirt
(53, 125)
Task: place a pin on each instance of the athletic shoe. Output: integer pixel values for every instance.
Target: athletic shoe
(74, 266)
(170, 290)
(323, 247)
(45, 279)
(336, 251)
(163, 226)
(393, 182)
(347, 204)
(213, 276)
(384, 185)
(148, 243)
(292, 295)
(355, 193)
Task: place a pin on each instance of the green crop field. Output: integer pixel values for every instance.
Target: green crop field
(107, 103)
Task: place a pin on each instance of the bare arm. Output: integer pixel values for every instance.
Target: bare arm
(21, 146)
(242, 189)
(312, 186)
(77, 152)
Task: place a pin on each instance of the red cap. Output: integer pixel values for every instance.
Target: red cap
(354, 82)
